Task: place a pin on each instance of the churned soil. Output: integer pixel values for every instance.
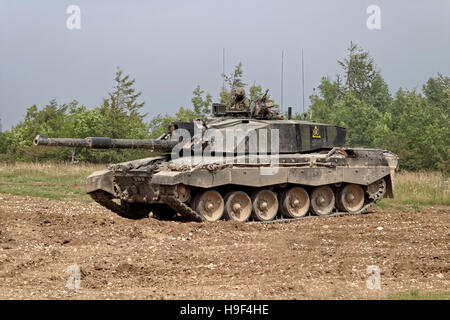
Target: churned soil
(315, 258)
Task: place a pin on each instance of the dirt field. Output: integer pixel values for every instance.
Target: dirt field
(313, 258)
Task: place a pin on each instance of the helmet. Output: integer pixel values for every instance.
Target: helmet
(239, 92)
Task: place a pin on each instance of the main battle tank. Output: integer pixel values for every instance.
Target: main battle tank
(241, 165)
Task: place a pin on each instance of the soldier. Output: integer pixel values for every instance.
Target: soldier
(262, 108)
(239, 101)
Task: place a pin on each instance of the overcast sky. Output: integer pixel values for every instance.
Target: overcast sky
(171, 46)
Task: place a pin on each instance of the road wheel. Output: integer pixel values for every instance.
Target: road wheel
(209, 204)
(238, 206)
(295, 202)
(350, 198)
(322, 200)
(265, 205)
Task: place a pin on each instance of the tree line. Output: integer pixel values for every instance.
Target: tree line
(413, 124)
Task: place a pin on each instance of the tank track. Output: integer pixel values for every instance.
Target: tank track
(170, 198)
(103, 198)
(182, 208)
(334, 214)
(191, 214)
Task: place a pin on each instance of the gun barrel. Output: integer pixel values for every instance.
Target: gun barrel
(155, 145)
(59, 142)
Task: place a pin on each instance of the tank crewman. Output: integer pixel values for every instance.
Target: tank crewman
(262, 108)
(239, 102)
(271, 113)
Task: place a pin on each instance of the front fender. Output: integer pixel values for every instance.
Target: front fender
(100, 180)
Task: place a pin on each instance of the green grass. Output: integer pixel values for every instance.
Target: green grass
(52, 181)
(417, 295)
(415, 189)
(67, 181)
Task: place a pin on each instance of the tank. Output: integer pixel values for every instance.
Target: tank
(250, 165)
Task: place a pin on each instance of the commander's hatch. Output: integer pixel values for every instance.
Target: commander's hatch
(220, 110)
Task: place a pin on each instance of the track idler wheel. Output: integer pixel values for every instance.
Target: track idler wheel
(376, 190)
(350, 198)
(238, 206)
(209, 204)
(295, 202)
(265, 205)
(322, 200)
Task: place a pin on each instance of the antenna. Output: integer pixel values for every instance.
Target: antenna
(282, 76)
(223, 68)
(303, 83)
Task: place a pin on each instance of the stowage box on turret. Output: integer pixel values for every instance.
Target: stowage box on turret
(241, 165)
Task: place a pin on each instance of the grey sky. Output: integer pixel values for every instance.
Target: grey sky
(171, 46)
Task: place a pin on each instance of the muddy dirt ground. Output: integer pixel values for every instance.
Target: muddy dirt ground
(316, 258)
